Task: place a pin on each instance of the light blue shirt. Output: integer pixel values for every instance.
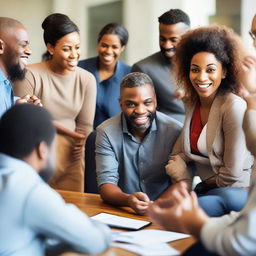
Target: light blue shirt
(133, 165)
(6, 94)
(31, 212)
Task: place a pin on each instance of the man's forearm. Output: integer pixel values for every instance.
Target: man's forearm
(112, 194)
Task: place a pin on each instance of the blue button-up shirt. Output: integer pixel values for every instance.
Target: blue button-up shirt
(31, 212)
(133, 165)
(108, 91)
(6, 94)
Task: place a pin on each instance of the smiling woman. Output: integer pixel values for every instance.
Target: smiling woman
(208, 62)
(68, 92)
(108, 70)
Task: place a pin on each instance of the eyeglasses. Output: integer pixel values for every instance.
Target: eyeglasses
(253, 35)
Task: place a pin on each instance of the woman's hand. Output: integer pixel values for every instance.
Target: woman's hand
(30, 99)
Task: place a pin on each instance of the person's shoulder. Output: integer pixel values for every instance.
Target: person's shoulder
(167, 121)
(84, 74)
(39, 67)
(148, 60)
(230, 103)
(124, 67)
(111, 125)
(231, 99)
(88, 64)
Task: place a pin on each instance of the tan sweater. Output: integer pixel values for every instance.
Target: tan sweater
(71, 98)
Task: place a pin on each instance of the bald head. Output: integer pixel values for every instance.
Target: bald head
(6, 23)
(14, 48)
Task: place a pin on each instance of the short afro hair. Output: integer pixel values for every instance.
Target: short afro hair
(174, 16)
(23, 127)
(135, 79)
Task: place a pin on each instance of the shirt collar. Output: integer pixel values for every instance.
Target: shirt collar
(10, 164)
(3, 77)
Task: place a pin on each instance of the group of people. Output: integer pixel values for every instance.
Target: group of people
(174, 114)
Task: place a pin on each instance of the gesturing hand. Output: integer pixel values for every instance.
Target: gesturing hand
(182, 213)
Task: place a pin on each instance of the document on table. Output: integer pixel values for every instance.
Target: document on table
(147, 242)
(162, 249)
(147, 237)
(120, 222)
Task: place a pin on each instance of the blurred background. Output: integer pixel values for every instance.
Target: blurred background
(140, 17)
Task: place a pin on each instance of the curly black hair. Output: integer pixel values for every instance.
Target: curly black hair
(219, 40)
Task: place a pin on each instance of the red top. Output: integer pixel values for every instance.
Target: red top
(196, 128)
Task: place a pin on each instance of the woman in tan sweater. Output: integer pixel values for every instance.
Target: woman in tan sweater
(69, 93)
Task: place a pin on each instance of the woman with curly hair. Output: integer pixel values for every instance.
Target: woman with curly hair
(212, 142)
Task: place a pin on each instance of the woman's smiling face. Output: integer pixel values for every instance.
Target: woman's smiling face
(206, 73)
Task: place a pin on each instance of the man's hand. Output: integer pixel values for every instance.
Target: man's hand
(30, 99)
(181, 213)
(139, 202)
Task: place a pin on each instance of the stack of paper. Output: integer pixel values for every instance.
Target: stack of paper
(147, 242)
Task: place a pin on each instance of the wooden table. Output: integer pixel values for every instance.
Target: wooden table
(92, 204)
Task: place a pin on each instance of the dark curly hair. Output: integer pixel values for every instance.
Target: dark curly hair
(219, 40)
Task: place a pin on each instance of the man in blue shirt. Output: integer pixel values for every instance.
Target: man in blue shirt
(132, 148)
(14, 52)
(32, 213)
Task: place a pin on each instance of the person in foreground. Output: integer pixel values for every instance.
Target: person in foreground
(68, 93)
(14, 54)
(108, 70)
(30, 211)
(232, 234)
(159, 66)
(212, 138)
(132, 148)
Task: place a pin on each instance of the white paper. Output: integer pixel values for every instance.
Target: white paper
(147, 236)
(120, 222)
(161, 249)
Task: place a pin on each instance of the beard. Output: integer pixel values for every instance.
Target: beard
(47, 172)
(16, 73)
(164, 51)
(134, 126)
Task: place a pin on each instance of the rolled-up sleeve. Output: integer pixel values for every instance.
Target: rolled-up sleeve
(106, 160)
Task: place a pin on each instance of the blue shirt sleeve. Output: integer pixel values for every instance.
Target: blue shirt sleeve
(48, 215)
(106, 160)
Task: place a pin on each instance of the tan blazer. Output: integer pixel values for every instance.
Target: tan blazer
(228, 157)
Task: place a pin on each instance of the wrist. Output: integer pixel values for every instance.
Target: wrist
(251, 105)
(196, 226)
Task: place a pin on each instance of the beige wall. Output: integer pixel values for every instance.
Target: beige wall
(140, 18)
(31, 13)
